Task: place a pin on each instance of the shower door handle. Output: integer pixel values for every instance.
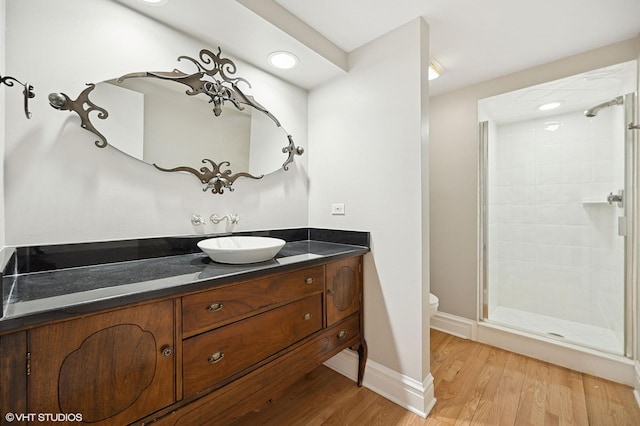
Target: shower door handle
(622, 226)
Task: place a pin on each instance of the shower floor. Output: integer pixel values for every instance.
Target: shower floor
(571, 332)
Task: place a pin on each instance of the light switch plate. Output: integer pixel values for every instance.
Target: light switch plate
(337, 209)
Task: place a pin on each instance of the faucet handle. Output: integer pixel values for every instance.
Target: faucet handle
(234, 218)
(197, 220)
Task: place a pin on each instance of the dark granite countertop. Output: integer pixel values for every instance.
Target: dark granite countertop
(35, 297)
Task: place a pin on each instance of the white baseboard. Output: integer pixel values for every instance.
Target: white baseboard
(406, 392)
(636, 385)
(455, 325)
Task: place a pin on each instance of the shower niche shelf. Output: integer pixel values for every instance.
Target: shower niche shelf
(595, 201)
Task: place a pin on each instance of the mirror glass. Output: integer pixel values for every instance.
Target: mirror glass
(154, 121)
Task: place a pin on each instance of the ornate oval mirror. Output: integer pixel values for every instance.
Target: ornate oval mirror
(206, 130)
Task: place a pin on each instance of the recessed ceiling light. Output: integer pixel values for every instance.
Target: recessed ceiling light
(283, 60)
(552, 126)
(435, 69)
(549, 106)
(154, 2)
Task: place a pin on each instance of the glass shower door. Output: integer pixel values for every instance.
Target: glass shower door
(554, 207)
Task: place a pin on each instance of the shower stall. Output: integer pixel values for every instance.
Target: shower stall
(556, 197)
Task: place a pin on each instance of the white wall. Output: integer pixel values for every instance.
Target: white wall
(3, 107)
(636, 315)
(454, 178)
(61, 188)
(367, 138)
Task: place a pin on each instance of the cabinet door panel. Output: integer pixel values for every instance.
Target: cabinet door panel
(13, 376)
(111, 368)
(344, 289)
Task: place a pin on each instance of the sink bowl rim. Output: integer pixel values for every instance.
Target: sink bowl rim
(245, 252)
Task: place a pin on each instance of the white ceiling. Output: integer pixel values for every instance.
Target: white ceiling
(473, 40)
(576, 93)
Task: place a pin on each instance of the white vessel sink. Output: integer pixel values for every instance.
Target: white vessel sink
(241, 249)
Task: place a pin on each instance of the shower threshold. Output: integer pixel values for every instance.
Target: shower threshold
(588, 336)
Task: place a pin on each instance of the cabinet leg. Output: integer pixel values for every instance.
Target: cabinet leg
(362, 360)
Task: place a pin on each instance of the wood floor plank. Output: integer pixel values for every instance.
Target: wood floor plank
(475, 384)
(609, 403)
(494, 369)
(531, 406)
(565, 397)
(578, 399)
(507, 398)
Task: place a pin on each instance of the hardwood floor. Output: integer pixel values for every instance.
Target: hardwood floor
(475, 384)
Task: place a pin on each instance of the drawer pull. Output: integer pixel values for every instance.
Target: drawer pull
(214, 307)
(213, 358)
(167, 351)
(307, 316)
(309, 280)
(342, 334)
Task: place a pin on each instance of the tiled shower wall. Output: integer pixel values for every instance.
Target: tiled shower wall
(554, 247)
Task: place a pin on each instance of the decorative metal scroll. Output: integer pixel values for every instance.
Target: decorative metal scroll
(215, 178)
(224, 89)
(293, 150)
(63, 102)
(213, 79)
(27, 92)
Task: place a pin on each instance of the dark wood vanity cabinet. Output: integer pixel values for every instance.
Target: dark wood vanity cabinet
(200, 358)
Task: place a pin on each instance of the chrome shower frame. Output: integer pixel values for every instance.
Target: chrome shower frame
(631, 211)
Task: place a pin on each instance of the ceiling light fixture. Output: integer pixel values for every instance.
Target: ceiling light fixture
(154, 2)
(549, 106)
(283, 60)
(435, 69)
(552, 126)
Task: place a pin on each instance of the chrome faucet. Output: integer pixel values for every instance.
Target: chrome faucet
(232, 218)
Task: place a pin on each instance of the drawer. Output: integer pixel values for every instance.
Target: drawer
(348, 331)
(221, 353)
(214, 308)
(253, 390)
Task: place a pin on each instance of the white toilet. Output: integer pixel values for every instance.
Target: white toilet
(433, 304)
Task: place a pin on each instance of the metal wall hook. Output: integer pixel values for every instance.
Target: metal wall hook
(27, 92)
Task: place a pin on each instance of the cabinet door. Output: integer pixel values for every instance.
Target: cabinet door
(111, 368)
(344, 289)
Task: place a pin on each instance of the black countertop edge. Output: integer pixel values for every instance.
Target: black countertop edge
(18, 323)
(23, 260)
